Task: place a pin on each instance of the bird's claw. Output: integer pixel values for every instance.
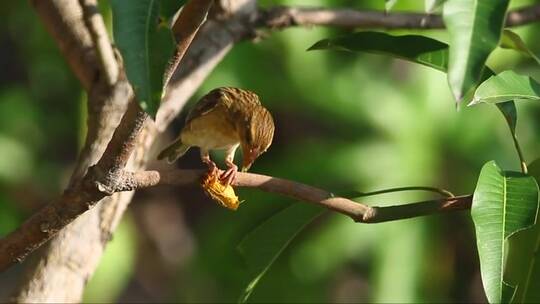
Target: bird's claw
(212, 167)
(228, 176)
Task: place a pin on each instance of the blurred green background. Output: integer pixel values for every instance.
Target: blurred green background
(344, 122)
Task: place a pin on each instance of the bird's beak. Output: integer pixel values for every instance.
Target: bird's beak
(248, 160)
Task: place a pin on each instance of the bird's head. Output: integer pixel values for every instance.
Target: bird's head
(256, 135)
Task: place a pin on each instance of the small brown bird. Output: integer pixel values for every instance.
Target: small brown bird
(224, 119)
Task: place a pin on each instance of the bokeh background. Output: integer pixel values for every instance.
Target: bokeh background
(344, 122)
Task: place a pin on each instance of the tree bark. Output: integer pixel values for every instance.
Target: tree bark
(66, 264)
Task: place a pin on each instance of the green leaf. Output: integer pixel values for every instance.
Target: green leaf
(432, 5)
(146, 48)
(508, 85)
(511, 40)
(523, 263)
(168, 8)
(414, 48)
(263, 245)
(503, 203)
(475, 29)
(388, 4)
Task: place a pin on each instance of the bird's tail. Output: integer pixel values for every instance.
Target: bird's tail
(173, 151)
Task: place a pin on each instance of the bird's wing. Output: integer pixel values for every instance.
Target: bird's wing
(203, 106)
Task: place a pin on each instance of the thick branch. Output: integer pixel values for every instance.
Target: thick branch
(44, 224)
(93, 231)
(95, 25)
(125, 137)
(122, 144)
(63, 19)
(72, 256)
(283, 16)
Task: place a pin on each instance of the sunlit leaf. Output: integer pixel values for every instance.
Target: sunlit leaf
(523, 263)
(475, 28)
(508, 85)
(432, 5)
(389, 4)
(146, 48)
(168, 8)
(264, 244)
(511, 40)
(503, 204)
(414, 48)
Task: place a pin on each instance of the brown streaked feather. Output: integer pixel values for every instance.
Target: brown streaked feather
(262, 128)
(204, 105)
(226, 117)
(237, 100)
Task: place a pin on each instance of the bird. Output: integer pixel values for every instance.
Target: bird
(224, 119)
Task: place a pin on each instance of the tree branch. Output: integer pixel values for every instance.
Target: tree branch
(105, 172)
(191, 17)
(95, 25)
(119, 149)
(77, 45)
(44, 224)
(359, 212)
(63, 20)
(70, 266)
(124, 139)
(429, 207)
(216, 39)
(53, 217)
(284, 16)
(62, 269)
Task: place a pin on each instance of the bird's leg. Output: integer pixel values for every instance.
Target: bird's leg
(212, 167)
(227, 177)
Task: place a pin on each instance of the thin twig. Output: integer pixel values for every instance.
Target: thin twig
(286, 16)
(355, 194)
(401, 212)
(522, 161)
(191, 17)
